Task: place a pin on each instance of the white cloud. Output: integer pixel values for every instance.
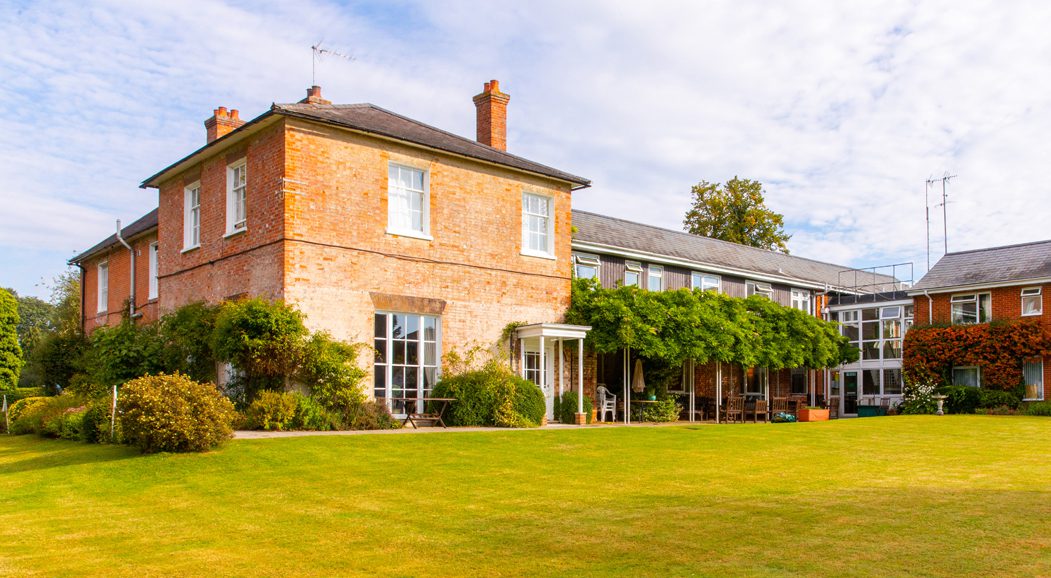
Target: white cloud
(842, 110)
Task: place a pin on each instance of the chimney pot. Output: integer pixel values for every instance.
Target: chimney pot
(491, 108)
(222, 122)
(314, 96)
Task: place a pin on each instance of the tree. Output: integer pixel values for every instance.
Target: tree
(65, 297)
(10, 352)
(736, 212)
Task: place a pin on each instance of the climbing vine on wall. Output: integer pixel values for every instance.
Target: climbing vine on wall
(998, 348)
(673, 326)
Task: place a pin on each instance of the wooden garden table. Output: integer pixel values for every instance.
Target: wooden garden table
(421, 415)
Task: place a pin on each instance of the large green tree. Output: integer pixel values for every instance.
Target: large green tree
(736, 212)
(10, 352)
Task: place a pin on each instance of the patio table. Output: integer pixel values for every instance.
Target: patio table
(420, 414)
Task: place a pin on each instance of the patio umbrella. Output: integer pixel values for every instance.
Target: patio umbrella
(638, 382)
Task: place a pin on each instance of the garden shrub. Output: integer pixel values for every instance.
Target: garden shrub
(96, 422)
(173, 413)
(272, 411)
(998, 410)
(122, 352)
(372, 415)
(329, 368)
(310, 415)
(991, 398)
(58, 357)
(263, 340)
(960, 398)
(42, 415)
(490, 396)
(918, 396)
(186, 334)
(665, 410)
(566, 407)
(1040, 408)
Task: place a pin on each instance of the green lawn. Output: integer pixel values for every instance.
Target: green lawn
(915, 495)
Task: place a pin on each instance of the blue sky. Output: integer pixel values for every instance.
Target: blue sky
(841, 109)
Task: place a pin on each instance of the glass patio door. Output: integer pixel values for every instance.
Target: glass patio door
(850, 392)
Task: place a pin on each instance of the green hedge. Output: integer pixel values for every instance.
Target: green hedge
(491, 396)
(566, 407)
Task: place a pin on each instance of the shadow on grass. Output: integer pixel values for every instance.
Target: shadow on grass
(30, 453)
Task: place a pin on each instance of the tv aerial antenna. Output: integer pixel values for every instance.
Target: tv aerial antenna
(945, 178)
(319, 52)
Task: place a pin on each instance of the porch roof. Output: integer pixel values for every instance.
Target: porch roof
(558, 330)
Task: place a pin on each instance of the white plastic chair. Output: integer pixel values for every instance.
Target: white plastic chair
(607, 402)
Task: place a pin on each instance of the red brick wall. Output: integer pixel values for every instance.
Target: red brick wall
(1006, 304)
(119, 261)
(247, 263)
(339, 251)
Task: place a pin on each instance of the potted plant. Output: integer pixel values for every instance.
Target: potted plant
(813, 413)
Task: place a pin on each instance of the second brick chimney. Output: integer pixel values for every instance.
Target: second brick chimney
(491, 105)
(222, 122)
(314, 96)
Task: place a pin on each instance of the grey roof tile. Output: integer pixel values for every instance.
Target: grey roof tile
(614, 232)
(992, 265)
(373, 119)
(140, 226)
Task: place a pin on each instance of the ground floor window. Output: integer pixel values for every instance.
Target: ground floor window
(407, 356)
(755, 382)
(799, 381)
(970, 376)
(532, 366)
(1033, 376)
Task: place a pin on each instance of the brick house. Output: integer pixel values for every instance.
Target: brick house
(379, 228)
(387, 231)
(984, 285)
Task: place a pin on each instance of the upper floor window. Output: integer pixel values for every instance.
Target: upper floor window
(408, 201)
(971, 308)
(585, 266)
(704, 281)
(191, 231)
(801, 300)
(1032, 301)
(153, 270)
(759, 288)
(236, 197)
(103, 287)
(655, 278)
(538, 228)
(632, 274)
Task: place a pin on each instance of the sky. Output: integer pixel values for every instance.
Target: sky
(842, 110)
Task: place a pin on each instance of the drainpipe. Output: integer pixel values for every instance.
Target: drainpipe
(83, 314)
(131, 306)
(930, 308)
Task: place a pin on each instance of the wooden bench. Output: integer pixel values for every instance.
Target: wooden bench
(420, 416)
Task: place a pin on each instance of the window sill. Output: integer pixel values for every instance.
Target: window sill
(188, 249)
(411, 234)
(1033, 399)
(1032, 314)
(235, 232)
(538, 255)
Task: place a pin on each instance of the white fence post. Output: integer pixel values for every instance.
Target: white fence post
(113, 417)
(7, 418)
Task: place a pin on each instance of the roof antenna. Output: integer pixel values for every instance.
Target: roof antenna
(318, 52)
(946, 177)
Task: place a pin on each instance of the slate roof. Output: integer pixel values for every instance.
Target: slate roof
(373, 119)
(619, 233)
(142, 225)
(1022, 262)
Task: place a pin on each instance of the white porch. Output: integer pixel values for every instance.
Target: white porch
(541, 360)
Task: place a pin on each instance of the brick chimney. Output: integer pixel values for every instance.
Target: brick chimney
(222, 122)
(492, 115)
(314, 96)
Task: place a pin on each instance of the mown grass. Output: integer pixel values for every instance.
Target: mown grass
(919, 495)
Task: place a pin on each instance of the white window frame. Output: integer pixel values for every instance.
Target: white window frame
(191, 217)
(633, 268)
(655, 272)
(705, 281)
(975, 298)
(102, 286)
(549, 253)
(758, 288)
(394, 227)
(153, 270)
(800, 299)
(1040, 361)
(977, 371)
(1030, 292)
(586, 260)
(388, 365)
(236, 197)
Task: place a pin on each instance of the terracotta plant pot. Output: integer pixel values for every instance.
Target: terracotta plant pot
(807, 414)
